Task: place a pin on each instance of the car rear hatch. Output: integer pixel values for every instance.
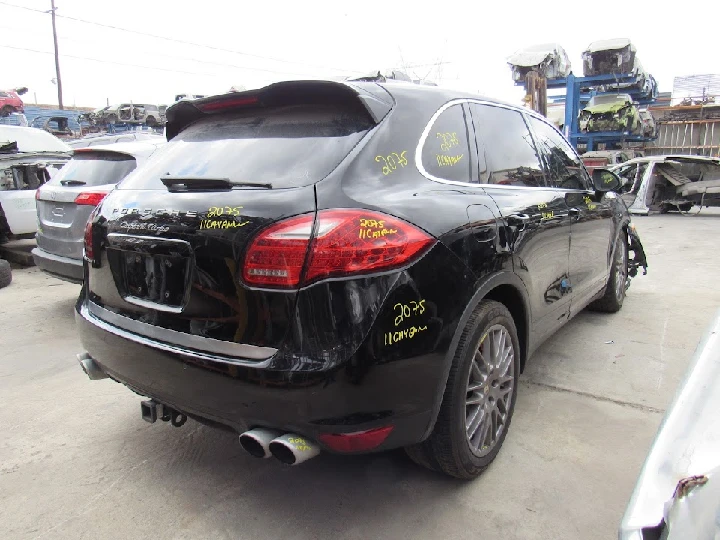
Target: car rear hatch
(65, 202)
(168, 246)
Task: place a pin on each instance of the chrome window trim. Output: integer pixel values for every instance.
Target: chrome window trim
(460, 101)
(174, 341)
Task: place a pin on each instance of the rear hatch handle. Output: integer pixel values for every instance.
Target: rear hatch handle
(183, 184)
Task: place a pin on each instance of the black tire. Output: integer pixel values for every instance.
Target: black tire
(614, 296)
(5, 273)
(6, 110)
(151, 121)
(448, 448)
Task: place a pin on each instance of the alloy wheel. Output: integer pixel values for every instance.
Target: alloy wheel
(491, 383)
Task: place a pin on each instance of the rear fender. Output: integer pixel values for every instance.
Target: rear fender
(484, 290)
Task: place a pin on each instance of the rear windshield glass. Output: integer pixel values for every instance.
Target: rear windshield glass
(285, 147)
(95, 169)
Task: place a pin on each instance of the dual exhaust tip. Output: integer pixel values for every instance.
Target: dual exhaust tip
(287, 448)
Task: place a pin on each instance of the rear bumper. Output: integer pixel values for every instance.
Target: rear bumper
(61, 267)
(242, 396)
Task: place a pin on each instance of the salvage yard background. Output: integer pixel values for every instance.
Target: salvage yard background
(77, 461)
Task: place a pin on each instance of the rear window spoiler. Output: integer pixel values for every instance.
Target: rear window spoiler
(364, 98)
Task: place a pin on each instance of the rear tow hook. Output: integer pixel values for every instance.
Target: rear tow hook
(151, 411)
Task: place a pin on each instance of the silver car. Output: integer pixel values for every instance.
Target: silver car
(65, 203)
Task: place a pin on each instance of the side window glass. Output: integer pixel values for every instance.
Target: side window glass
(446, 153)
(510, 154)
(565, 169)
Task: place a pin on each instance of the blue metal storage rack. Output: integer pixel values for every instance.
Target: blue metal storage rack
(579, 90)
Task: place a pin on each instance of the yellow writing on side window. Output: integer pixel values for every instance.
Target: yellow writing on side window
(448, 140)
(448, 161)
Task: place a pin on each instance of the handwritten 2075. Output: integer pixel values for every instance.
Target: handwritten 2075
(391, 161)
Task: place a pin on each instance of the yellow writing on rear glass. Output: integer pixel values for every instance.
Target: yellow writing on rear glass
(400, 335)
(391, 162)
(214, 211)
(542, 205)
(405, 311)
(448, 161)
(448, 140)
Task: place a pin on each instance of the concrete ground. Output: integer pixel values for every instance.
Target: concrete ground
(77, 461)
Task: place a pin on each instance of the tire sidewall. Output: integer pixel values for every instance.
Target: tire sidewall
(498, 314)
(621, 245)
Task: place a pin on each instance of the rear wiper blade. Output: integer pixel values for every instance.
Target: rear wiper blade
(204, 183)
(72, 182)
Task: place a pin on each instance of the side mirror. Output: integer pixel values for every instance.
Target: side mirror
(605, 180)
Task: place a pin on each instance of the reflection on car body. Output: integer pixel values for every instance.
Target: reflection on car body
(328, 260)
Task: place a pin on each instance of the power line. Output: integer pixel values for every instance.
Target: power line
(175, 40)
(103, 61)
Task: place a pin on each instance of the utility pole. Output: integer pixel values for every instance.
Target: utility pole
(57, 57)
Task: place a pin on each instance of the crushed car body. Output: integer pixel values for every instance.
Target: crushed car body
(29, 157)
(677, 495)
(610, 56)
(611, 112)
(549, 60)
(667, 183)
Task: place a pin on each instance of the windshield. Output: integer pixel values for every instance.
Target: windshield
(284, 147)
(607, 100)
(95, 169)
(32, 140)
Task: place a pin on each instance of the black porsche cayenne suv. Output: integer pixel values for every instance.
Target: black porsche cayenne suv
(351, 267)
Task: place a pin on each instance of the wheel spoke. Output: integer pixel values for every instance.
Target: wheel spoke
(476, 399)
(474, 423)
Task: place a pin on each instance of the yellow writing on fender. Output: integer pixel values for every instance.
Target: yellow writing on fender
(408, 310)
(448, 161)
(391, 161)
(221, 224)
(399, 335)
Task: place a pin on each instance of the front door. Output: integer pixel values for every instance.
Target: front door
(536, 218)
(591, 215)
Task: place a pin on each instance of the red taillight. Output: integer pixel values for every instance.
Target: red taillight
(227, 104)
(345, 242)
(90, 198)
(360, 441)
(37, 194)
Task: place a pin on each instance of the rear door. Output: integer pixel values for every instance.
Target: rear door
(65, 202)
(176, 230)
(536, 218)
(592, 226)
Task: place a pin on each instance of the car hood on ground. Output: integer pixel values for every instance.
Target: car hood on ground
(681, 472)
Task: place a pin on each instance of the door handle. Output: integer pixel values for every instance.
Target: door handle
(574, 213)
(518, 220)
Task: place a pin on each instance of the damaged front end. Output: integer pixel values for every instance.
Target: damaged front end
(614, 112)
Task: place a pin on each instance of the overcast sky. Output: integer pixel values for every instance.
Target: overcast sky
(278, 40)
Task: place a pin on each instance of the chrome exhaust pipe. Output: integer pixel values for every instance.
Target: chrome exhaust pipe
(292, 449)
(90, 367)
(257, 441)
